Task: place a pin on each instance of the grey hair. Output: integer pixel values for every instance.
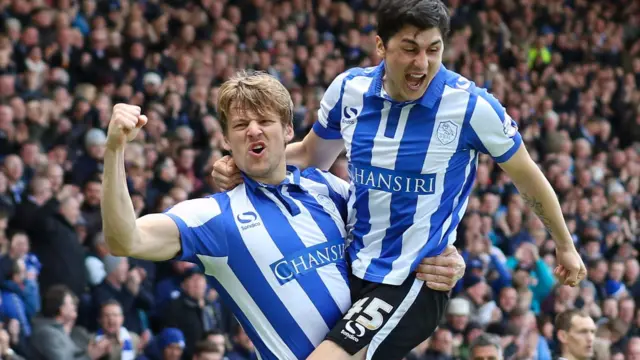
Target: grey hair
(487, 340)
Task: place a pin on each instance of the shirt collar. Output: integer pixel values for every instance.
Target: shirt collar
(435, 89)
(292, 178)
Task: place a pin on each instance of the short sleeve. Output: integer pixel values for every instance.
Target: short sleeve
(329, 115)
(201, 228)
(494, 132)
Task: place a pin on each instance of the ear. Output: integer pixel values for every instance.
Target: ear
(225, 144)
(288, 133)
(380, 49)
(562, 336)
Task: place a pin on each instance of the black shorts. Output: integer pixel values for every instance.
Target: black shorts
(392, 320)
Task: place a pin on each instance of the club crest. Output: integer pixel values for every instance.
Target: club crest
(447, 131)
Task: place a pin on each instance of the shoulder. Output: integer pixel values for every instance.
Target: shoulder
(486, 103)
(195, 212)
(326, 178)
(338, 84)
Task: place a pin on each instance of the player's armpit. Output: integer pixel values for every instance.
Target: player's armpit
(157, 239)
(314, 151)
(330, 350)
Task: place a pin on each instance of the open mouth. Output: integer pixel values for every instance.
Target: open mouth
(257, 149)
(415, 81)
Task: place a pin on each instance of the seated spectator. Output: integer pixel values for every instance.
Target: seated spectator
(124, 344)
(55, 335)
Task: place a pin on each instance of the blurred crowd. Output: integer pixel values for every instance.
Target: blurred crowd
(568, 72)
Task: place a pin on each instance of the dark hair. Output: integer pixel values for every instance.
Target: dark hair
(53, 300)
(204, 347)
(565, 318)
(393, 15)
(110, 302)
(13, 268)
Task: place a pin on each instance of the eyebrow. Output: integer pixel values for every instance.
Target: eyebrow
(413, 42)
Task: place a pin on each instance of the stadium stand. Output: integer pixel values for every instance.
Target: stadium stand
(568, 72)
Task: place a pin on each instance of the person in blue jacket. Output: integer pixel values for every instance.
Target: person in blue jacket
(527, 258)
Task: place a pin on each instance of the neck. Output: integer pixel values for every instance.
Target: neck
(568, 356)
(275, 177)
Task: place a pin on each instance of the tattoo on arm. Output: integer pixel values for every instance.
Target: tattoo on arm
(537, 208)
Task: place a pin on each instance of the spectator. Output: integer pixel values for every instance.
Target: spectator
(576, 333)
(568, 73)
(124, 344)
(168, 345)
(56, 243)
(486, 347)
(55, 335)
(206, 350)
(242, 348)
(123, 284)
(20, 299)
(440, 346)
(190, 312)
(218, 338)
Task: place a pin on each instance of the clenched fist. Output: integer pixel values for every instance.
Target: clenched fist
(124, 125)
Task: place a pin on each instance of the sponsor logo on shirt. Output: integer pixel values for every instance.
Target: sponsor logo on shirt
(309, 259)
(394, 181)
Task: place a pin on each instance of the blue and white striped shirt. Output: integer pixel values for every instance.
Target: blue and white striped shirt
(276, 254)
(412, 164)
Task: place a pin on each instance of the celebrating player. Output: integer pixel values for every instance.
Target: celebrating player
(274, 246)
(413, 131)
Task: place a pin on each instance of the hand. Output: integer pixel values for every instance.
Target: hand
(98, 349)
(570, 269)
(124, 125)
(226, 174)
(441, 273)
(66, 192)
(533, 249)
(13, 328)
(134, 277)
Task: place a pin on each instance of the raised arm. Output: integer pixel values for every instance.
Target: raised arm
(314, 151)
(152, 237)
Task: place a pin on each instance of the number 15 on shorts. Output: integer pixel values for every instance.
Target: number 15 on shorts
(370, 316)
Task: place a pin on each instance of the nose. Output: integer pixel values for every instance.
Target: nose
(421, 61)
(254, 129)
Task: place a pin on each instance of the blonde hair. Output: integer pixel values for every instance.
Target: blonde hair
(258, 92)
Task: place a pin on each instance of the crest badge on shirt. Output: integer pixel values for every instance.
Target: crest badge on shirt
(509, 126)
(447, 131)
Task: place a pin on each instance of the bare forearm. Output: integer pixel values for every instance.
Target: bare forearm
(314, 151)
(540, 197)
(118, 214)
(296, 154)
